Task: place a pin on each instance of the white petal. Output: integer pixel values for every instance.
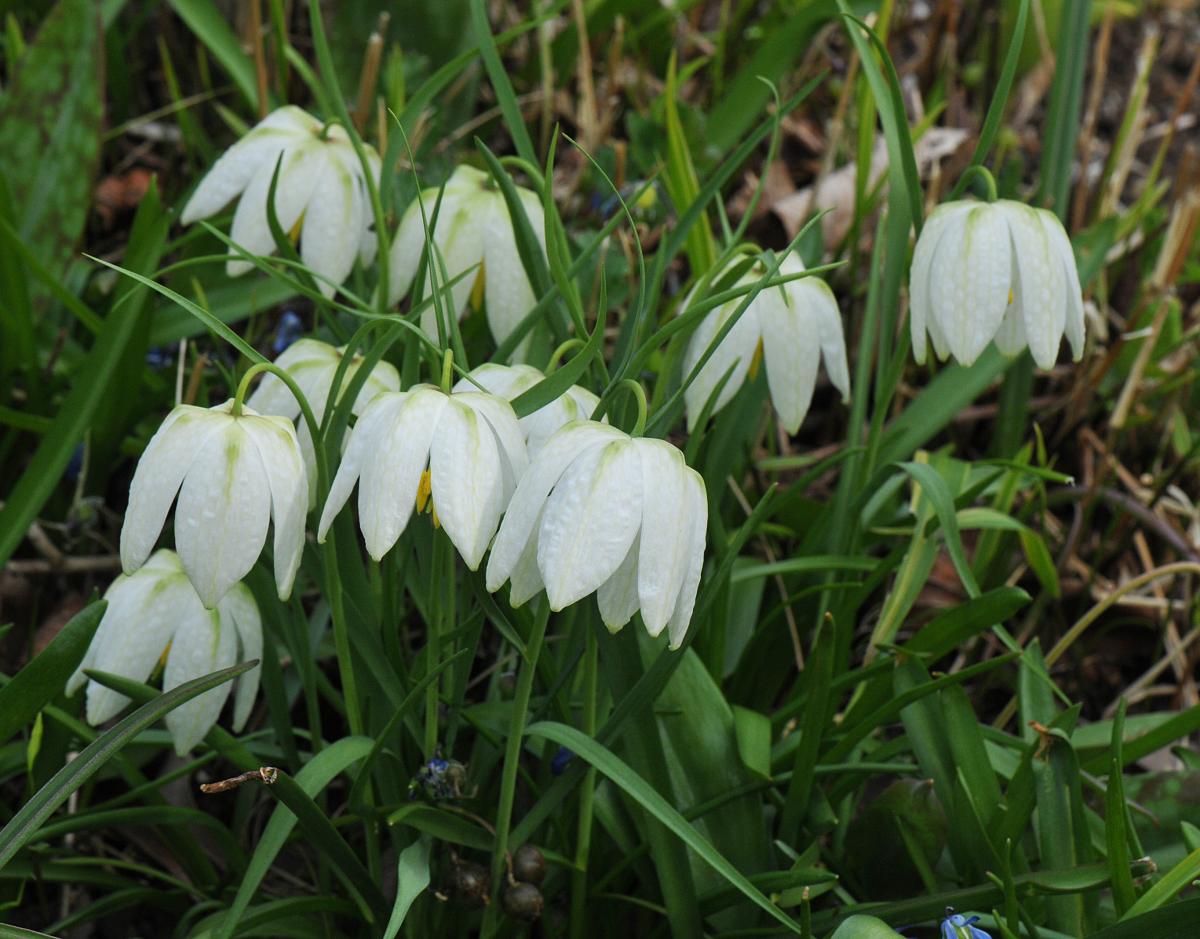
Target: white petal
(666, 531)
(239, 612)
(1061, 245)
(397, 454)
(526, 579)
(503, 423)
(791, 346)
(383, 377)
(467, 481)
(522, 520)
(143, 613)
(405, 253)
(279, 451)
(505, 381)
(333, 222)
(920, 291)
(971, 277)
(167, 458)
(507, 289)
(233, 171)
(576, 404)
(299, 171)
(459, 239)
(698, 516)
(617, 597)
(736, 349)
(223, 511)
(203, 644)
(1010, 337)
(1039, 284)
(307, 361)
(590, 521)
(374, 423)
(823, 306)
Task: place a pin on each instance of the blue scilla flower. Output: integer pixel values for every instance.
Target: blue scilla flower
(957, 926)
(560, 760)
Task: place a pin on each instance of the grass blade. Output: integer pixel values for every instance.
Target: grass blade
(29, 818)
(638, 789)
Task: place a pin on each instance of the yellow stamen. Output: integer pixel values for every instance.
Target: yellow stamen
(1010, 296)
(477, 289)
(757, 360)
(424, 491)
(294, 234)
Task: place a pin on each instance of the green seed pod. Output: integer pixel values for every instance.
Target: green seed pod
(529, 865)
(523, 902)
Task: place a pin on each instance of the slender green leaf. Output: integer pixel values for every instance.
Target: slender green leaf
(43, 679)
(25, 823)
(637, 788)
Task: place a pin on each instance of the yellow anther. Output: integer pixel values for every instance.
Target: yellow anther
(424, 491)
(477, 289)
(1010, 296)
(756, 361)
(294, 234)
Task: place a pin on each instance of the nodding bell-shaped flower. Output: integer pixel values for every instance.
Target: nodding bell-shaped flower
(234, 475)
(510, 381)
(473, 230)
(1002, 271)
(321, 194)
(792, 326)
(957, 926)
(313, 365)
(463, 449)
(156, 610)
(600, 511)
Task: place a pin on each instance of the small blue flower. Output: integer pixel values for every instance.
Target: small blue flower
(957, 926)
(290, 328)
(159, 357)
(558, 762)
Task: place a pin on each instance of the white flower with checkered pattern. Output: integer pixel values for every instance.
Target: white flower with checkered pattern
(994, 271)
(474, 235)
(155, 610)
(321, 194)
(602, 512)
(233, 476)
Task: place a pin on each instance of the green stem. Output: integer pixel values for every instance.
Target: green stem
(447, 370)
(639, 395)
(443, 560)
(983, 173)
(583, 841)
(563, 349)
(512, 756)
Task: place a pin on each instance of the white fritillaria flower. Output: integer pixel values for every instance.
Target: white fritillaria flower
(601, 511)
(321, 193)
(510, 381)
(313, 364)
(233, 476)
(464, 449)
(791, 326)
(1000, 271)
(473, 230)
(155, 609)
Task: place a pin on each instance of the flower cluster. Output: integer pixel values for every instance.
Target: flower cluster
(564, 502)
